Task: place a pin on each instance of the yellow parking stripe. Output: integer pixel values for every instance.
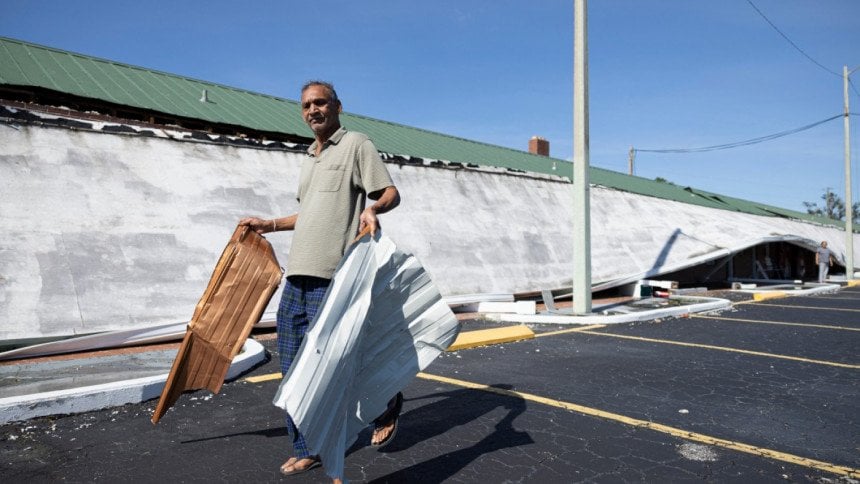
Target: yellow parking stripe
(782, 323)
(723, 348)
(809, 307)
(565, 331)
(262, 378)
(763, 296)
(675, 432)
(484, 337)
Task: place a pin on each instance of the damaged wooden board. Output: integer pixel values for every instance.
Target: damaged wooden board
(245, 278)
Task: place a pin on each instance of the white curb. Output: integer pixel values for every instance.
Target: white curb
(818, 289)
(96, 397)
(699, 305)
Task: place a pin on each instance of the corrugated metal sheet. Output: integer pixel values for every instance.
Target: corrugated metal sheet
(26, 64)
(382, 321)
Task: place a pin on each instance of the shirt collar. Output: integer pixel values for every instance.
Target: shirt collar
(333, 139)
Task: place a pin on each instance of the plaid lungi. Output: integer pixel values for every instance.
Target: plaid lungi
(300, 300)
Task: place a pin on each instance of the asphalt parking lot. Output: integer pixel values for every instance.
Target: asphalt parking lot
(765, 392)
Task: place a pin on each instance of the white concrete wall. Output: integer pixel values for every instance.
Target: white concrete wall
(104, 231)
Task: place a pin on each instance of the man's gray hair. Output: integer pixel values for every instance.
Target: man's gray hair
(324, 84)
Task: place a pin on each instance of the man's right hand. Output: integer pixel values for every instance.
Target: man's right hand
(258, 225)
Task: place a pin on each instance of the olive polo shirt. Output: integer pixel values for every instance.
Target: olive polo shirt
(332, 192)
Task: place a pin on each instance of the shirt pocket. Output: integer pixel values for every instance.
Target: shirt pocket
(329, 179)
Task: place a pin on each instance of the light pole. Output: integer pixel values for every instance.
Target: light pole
(849, 209)
(581, 202)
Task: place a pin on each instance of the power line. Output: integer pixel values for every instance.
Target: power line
(851, 83)
(736, 144)
(853, 87)
(790, 41)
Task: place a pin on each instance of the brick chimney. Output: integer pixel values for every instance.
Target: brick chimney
(539, 146)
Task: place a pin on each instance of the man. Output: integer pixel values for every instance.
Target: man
(824, 259)
(341, 170)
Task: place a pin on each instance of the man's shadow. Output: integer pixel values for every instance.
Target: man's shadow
(446, 419)
(441, 420)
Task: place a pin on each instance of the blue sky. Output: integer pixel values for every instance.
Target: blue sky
(662, 73)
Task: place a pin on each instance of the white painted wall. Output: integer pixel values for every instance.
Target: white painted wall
(104, 231)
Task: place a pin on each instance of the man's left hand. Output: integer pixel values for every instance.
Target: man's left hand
(368, 219)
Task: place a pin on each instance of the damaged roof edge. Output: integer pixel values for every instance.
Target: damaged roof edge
(704, 258)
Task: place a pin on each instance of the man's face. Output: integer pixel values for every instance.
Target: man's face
(319, 111)
(824, 244)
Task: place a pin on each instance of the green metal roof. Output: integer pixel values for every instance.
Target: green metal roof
(25, 64)
(30, 65)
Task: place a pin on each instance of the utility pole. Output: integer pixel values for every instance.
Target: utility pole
(631, 156)
(581, 190)
(849, 209)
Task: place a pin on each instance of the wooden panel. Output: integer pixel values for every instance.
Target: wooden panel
(244, 280)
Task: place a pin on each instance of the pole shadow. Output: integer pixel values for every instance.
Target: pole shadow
(664, 252)
(269, 433)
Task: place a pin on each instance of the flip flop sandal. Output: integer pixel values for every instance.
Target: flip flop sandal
(313, 465)
(391, 416)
